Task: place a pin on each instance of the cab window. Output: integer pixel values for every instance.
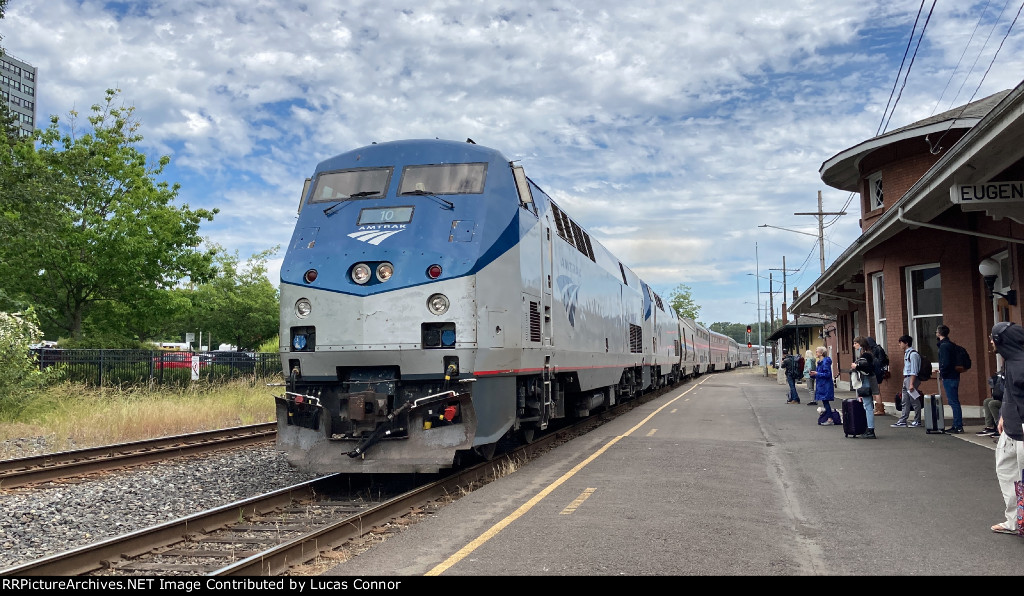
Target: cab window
(443, 179)
(366, 183)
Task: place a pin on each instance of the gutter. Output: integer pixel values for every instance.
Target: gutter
(924, 224)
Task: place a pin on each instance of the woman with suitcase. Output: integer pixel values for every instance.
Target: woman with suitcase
(865, 366)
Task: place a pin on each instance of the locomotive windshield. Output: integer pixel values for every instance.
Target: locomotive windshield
(348, 184)
(444, 179)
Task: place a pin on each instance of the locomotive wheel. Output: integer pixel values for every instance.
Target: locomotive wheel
(527, 433)
(486, 451)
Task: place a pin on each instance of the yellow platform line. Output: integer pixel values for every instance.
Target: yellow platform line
(501, 525)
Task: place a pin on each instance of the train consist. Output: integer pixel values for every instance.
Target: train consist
(434, 300)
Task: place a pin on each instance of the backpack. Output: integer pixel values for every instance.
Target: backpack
(881, 358)
(925, 372)
(997, 382)
(800, 367)
(961, 359)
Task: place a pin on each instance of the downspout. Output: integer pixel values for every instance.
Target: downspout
(956, 230)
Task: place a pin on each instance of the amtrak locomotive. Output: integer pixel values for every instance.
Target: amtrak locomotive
(434, 300)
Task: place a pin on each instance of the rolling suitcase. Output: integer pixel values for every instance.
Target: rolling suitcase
(855, 419)
(931, 409)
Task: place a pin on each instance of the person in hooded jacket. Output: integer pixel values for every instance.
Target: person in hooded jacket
(824, 386)
(1007, 340)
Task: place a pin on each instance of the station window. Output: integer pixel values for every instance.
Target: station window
(924, 307)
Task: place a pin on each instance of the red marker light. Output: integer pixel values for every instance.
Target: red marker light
(310, 276)
(434, 271)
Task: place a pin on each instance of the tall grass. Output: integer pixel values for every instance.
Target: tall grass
(73, 416)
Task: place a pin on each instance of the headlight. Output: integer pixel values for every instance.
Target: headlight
(385, 271)
(361, 273)
(303, 308)
(437, 304)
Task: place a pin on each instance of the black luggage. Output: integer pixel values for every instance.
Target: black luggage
(931, 409)
(855, 419)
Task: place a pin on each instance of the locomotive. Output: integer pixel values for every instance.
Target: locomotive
(435, 300)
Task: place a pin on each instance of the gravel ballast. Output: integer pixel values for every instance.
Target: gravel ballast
(39, 521)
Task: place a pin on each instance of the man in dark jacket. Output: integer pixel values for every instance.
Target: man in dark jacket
(949, 376)
(1007, 340)
(789, 365)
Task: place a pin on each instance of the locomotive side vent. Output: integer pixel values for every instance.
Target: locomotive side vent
(636, 339)
(535, 321)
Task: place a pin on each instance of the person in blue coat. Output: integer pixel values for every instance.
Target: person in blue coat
(824, 387)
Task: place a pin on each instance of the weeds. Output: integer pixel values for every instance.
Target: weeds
(73, 416)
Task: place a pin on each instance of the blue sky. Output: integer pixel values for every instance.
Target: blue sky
(671, 131)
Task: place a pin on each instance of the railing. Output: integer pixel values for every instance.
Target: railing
(139, 367)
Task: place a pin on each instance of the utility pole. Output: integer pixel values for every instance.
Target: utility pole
(821, 230)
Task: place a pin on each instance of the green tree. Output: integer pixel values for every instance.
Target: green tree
(239, 305)
(681, 300)
(93, 224)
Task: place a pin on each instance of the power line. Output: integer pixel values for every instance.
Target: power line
(896, 82)
(981, 17)
(911, 65)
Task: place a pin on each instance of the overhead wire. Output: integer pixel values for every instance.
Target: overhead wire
(911, 65)
(937, 147)
(977, 25)
(900, 71)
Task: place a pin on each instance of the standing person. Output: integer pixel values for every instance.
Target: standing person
(809, 365)
(824, 387)
(865, 365)
(1007, 340)
(881, 367)
(789, 365)
(911, 367)
(949, 376)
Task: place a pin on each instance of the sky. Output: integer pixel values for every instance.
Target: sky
(671, 131)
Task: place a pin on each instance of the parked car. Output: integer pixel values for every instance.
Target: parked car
(241, 361)
(178, 360)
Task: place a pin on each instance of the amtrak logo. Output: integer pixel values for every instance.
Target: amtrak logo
(374, 236)
(570, 291)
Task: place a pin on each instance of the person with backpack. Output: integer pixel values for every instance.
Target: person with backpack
(1007, 340)
(865, 366)
(881, 364)
(911, 382)
(949, 377)
(790, 365)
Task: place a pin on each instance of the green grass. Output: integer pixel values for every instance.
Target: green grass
(74, 416)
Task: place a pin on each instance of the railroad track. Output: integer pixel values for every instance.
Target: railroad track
(65, 464)
(272, 533)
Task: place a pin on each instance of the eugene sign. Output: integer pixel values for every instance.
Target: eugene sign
(988, 193)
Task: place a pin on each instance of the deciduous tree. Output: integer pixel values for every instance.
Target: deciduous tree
(90, 221)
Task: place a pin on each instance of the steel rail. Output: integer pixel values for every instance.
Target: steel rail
(51, 466)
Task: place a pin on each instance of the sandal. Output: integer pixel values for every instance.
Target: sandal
(999, 529)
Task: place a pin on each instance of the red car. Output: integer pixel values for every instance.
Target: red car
(178, 360)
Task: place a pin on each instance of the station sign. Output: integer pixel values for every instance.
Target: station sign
(988, 193)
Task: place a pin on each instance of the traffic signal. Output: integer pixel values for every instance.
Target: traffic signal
(748, 328)
(748, 345)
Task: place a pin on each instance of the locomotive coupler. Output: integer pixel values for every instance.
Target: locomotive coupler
(384, 428)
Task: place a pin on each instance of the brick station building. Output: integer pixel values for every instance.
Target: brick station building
(942, 241)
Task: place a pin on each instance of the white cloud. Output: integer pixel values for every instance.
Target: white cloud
(671, 131)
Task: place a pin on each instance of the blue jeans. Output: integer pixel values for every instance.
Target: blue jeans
(952, 387)
(869, 410)
(793, 396)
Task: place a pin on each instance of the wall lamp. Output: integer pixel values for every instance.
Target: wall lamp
(989, 270)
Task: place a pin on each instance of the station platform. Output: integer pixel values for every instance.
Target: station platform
(722, 477)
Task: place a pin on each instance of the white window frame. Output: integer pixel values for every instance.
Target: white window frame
(876, 200)
(921, 344)
(878, 309)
